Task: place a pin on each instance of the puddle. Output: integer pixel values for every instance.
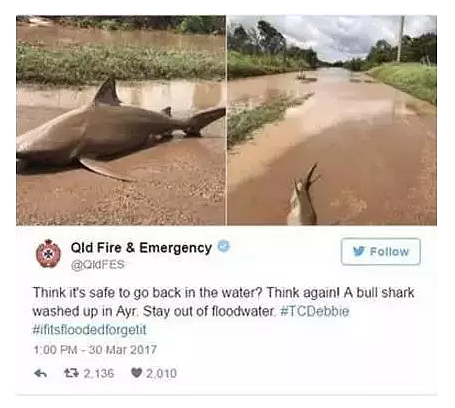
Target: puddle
(336, 99)
(183, 96)
(373, 173)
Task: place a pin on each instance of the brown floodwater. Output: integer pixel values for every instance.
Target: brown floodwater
(376, 149)
(181, 182)
(58, 36)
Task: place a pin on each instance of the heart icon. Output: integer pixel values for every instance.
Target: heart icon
(136, 372)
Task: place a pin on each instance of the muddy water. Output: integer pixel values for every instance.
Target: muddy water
(57, 36)
(181, 182)
(376, 149)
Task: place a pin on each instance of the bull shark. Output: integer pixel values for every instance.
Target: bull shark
(103, 128)
(302, 209)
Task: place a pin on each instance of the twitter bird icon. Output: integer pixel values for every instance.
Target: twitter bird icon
(358, 251)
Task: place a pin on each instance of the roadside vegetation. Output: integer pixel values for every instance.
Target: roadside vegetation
(182, 24)
(263, 50)
(243, 65)
(422, 49)
(89, 64)
(416, 74)
(242, 124)
(413, 78)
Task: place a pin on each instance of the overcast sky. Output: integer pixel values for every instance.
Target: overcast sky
(341, 37)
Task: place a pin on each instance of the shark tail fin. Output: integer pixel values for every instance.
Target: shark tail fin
(309, 178)
(202, 119)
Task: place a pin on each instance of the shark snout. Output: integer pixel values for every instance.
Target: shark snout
(21, 151)
(48, 156)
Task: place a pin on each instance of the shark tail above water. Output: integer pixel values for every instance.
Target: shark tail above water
(202, 119)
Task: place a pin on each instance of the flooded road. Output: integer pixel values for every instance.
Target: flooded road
(181, 182)
(58, 36)
(376, 149)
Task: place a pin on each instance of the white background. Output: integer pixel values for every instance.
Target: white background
(386, 346)
(446, 283)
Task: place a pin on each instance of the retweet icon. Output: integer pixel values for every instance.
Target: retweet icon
(48, 254)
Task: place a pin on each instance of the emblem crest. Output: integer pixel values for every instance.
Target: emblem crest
(48, 254)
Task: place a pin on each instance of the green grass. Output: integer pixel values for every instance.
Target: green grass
(413, 78)
(242, 124)
(243, 65)
(94, 22)
(90, 64)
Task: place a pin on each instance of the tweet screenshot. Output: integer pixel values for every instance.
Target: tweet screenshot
(226, 205)
(226, 311)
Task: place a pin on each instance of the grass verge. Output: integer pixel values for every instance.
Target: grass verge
(242, 65)
(415, 79)
(90, 64)
(242, 124)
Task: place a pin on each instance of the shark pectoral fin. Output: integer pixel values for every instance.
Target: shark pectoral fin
(192, 133)
(100, 167)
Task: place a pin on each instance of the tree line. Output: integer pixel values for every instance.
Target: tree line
(264, 39)
(417, 49)
(185, 24)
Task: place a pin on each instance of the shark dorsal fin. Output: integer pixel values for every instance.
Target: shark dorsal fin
(166, 111)
(107, 94)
